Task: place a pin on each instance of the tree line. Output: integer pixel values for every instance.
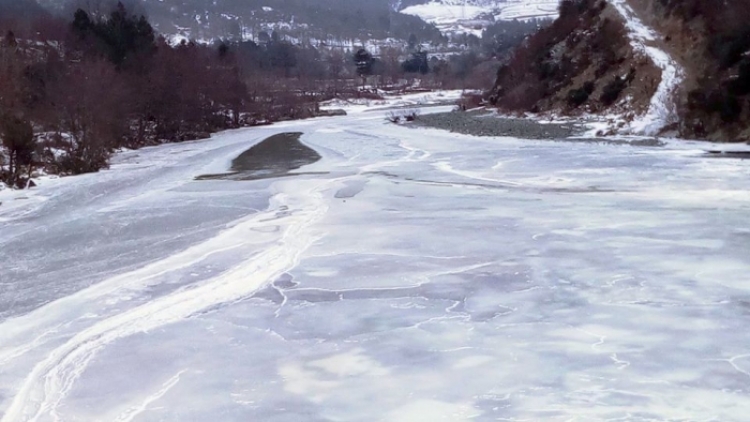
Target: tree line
(74, 91)
(101, 83)
(71, 93)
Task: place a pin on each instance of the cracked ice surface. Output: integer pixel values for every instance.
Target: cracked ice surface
(410, 275)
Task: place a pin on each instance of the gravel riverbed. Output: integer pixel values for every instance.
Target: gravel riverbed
(487, 124)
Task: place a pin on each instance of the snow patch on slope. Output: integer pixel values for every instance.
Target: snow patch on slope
(527, 9)
(465, 17)
(420, 99)
(660, 111)
(437, 12)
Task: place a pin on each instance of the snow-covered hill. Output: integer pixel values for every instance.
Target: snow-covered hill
(452, 16)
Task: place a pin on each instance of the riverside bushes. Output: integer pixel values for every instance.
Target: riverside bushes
(87, 87)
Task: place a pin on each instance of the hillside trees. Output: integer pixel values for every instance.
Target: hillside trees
(103, 79)
(16, 131)
(122, 38)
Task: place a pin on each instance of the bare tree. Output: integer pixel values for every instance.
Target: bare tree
(89, 103)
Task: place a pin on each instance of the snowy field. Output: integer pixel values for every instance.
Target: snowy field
(409, 275)
(407, 101)
(527, 9)
(457, 16)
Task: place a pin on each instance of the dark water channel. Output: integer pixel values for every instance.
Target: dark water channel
(276, 156)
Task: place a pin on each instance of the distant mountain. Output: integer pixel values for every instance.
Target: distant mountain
(317, 20)
(452, 16)
(328, 21)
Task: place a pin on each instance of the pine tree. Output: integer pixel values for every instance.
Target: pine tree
(364, 61)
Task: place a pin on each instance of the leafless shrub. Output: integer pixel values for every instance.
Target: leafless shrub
(400, 116)
(393, 117)
(411, 115)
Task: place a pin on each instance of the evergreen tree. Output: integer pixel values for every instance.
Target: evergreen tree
(418, 63)
(412, 42)
(364, 62)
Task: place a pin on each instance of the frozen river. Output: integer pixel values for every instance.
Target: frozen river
(408, 275)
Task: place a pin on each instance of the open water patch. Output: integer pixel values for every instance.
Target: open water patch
(275, 156)
(742, 155)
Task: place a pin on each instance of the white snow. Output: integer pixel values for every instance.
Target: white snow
(411, 274)
(441, 13)
(177, 39)
(457, 16)
(527, 9)
(662, 109)
(420, 99)
(16, 203)
(451, 19)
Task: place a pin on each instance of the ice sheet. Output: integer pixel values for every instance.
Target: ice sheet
(425, 276)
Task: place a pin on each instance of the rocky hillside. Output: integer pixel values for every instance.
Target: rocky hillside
(584, 62)
(711, 40)
(659, 66)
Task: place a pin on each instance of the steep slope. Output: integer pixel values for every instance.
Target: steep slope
(661, 111)
(583, 63)
(712, 42)
(659, 66)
